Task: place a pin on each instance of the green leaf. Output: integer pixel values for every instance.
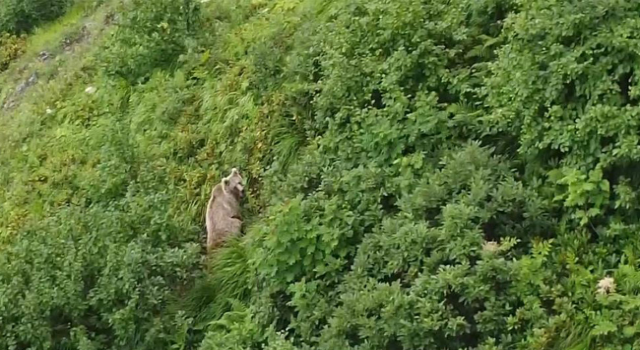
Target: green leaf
(604, 327)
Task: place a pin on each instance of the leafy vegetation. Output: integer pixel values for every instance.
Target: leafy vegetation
(20, 16)
(11, 47)
(421, 174)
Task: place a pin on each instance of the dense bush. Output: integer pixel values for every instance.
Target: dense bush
(11, 47)
(20, 16)
(421, 174)
(151, 36)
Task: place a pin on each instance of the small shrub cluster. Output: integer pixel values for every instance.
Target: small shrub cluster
(150, 36)
(11, 47)
(20, 16)
(421, 174)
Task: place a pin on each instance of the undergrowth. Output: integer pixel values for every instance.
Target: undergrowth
(420, 174)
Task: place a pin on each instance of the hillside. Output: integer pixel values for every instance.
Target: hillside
(456, 174)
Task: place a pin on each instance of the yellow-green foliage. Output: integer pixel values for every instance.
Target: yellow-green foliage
(11, 46)
(437, 174)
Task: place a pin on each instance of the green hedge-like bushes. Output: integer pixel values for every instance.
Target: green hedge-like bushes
(150, 36)
(431, 130)
(20, 16)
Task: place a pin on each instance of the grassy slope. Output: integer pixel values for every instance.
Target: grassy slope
(384, 143)
(75, 269)
(58, 72)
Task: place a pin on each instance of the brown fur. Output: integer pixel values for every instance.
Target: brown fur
(223, 211)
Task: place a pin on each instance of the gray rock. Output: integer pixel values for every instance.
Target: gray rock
(26, 84)
(44, 56)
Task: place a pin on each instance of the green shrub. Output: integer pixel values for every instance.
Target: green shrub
(151, 35)
(63, 285)
(20, 16)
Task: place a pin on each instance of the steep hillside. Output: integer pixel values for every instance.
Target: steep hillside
(436, 174)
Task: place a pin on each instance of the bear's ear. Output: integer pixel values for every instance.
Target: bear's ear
(225, 182)
(234, 171)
